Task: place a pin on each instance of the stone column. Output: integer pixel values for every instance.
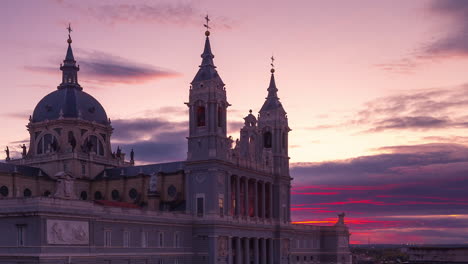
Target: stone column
(238, 251)
(246, 250)
(263, 199)
(237, 195)
(212, 250)
(271, 201)
(229, 195)
(246, 201)
(263, 251)
(256, 251)
(271, 252)
(255, 186)
(230, 250)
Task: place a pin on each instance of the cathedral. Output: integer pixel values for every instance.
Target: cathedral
(70, 200)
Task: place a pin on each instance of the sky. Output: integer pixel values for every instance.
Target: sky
(376, 94)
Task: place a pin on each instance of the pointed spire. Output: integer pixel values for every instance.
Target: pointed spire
(207, 69)
(272, 101)
(69, 68)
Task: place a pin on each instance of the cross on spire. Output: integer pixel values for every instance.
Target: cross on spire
(207, 25)
(69, 29)
(272, 64)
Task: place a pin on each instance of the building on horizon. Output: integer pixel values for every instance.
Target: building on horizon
(70, 199)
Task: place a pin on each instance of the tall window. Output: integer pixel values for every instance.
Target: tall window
(221, 205)
(161, 240)
(107, 238)
(220, 116)
(47, 144)
(21, 235)
(93, 144)
(200, 206)
(284, 140)
(126, 239)
(267, 139)
(201, 121)
(144, 239)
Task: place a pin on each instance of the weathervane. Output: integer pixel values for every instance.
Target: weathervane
(207, 26)
(272, 64)
(69, 31)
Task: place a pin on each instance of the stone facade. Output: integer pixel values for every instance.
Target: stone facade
(69, 199)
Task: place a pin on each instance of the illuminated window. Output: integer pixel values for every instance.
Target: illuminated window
(201, 121)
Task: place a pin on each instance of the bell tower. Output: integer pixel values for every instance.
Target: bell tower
(207, 110)
(274, 129)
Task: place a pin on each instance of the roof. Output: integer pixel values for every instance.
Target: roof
(24, 170)
(207, 69)
(132, 171)
(69, 103)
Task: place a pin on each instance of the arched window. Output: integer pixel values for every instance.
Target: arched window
(84, 195)
(201, 121)
(267, 139)
(27, 193)
(4, 191)
(220, 116)
(93, 145)
(115, 195)
(98, 195)
(47, 144)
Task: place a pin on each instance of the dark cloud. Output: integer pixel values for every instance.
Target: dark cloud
(455, 42)
(401, 189)
(419, 110)
(169, 12)
(99, 67)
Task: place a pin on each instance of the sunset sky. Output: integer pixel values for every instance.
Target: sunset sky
(376, 94)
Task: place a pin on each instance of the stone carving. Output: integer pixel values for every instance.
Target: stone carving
(200, 177)
(340, 219)
(153, 184)
(61, 232)
(64, 187)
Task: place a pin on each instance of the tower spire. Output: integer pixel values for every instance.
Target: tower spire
(69, 68)
(272, 90)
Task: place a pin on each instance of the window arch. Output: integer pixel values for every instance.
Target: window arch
(27, 193)
(115, 195)
(47, 144)
(93, 144)
(201, 116)
(84, 195)
(4, 191)
(267, 139)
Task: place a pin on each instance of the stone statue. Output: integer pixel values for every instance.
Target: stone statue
(340, 219)
(64, 187)
(153, 184)
(132, 155)
(24, 150)
(119, 152)
(7, 152)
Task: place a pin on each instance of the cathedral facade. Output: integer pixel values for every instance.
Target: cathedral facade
(70, 199)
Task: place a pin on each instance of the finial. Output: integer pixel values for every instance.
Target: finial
(207, 26)
(69, 31)
(272, 65)
(250, 111)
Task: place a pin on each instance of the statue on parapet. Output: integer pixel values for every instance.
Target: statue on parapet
(23, 153)
(340, 219)
(7, 152)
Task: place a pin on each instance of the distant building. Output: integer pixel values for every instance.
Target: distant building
(437, 255)
(70, 199)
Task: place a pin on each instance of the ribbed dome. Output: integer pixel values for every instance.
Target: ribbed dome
(69, 103)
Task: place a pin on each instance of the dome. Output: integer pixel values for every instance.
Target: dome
(69, 102)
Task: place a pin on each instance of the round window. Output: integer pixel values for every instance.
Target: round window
(115, 195)
(84, 195)
(4, 191)
(27, 193)
(171, 191)
(98, 195)
(133, 193)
